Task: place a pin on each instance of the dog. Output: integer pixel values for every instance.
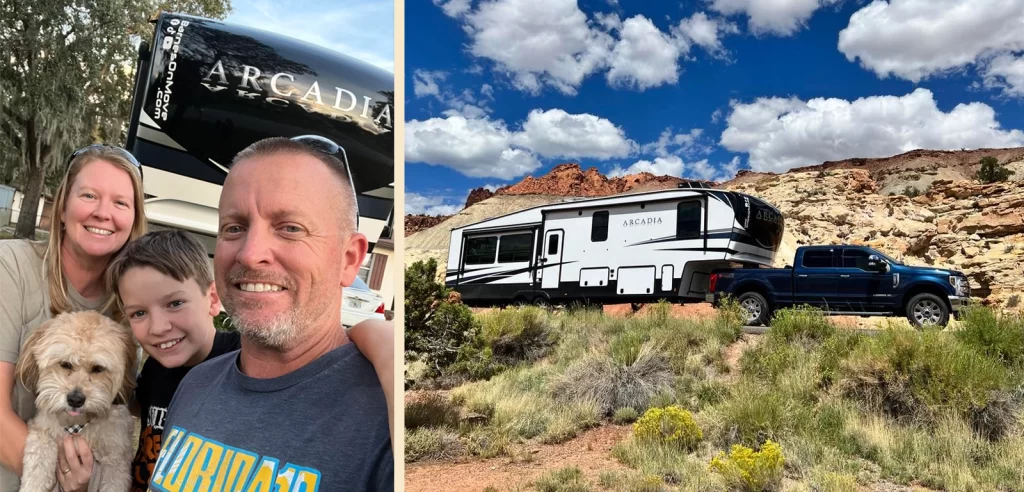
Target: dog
(81, 367)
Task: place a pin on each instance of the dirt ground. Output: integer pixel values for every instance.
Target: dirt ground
(590, 451)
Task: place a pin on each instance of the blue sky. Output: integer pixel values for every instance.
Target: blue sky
(364, 29)
(500, 89)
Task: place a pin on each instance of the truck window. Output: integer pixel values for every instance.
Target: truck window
(599, 227)
(688, 220)
(553, 245)
(819, 258)
(514, 248)
(481, 250)
(855, 258)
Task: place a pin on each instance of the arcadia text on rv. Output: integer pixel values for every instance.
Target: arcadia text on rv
(344, 100)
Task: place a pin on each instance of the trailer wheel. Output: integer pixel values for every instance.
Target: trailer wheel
(927, 309)
(542, 302)
(756, 307)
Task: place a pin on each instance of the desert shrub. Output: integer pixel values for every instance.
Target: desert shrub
(999, 336)
(517, 334)
(568, 479)
(916, 375)
(432, 444)
(801, 323)
(435, 329)
(832, 352)
(749, 470)
(755, 412)
(671, 425)
(611, 385)
(431, 410)
(474, 361)
(768, 360)
(836, 482)
(625, 415)
(729, 320)
(991, 171)
(911, 191)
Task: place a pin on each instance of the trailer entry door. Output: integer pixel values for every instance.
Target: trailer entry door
(552, 260)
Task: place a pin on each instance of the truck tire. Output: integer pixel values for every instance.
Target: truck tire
(927, 309)
(756, 306)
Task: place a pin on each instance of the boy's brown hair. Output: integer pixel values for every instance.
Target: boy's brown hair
(171, 252)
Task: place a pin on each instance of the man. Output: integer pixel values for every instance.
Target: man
(298, 407)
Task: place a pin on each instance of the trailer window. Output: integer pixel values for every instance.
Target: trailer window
(514, 248)
(821, 258)
(599, 227)
(481, 250)
(688, 220)
(553, 244)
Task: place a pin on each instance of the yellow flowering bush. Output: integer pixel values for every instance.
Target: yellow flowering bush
(672, 425)
(749, 470)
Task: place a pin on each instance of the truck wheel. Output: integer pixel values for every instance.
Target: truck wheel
(756, 307)
(924, 309)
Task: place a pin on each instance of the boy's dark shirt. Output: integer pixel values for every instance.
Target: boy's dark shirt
(156, 387)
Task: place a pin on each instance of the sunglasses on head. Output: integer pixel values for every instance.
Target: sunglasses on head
(327, 146)
(122, 152)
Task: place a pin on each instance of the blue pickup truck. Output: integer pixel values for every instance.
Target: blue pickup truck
(844, 280)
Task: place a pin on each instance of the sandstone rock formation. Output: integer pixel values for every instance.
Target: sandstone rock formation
(417, 223)
(478, 195)
(570, 180)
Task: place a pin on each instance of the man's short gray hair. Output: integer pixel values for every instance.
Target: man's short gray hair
(275, 145)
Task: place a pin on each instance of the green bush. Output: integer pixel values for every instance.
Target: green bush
(435, 329)
(801, 323)
(568, 479)
(911, 192)
(749, 470)
(223, 323)
(999, 336)
(432, 444)
(768, 360)
(431, 410)
(671, 425)
(517, 334)
(625, 415)
(922, 374)
(992, 171)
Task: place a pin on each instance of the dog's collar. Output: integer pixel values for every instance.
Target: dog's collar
(75, 429)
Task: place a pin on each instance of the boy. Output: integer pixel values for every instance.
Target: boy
(166, 294)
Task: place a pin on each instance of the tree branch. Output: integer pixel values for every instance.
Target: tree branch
(8, 130)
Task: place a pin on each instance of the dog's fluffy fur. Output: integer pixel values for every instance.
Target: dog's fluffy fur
(85, 354)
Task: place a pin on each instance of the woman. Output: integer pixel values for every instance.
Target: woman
(97, 210)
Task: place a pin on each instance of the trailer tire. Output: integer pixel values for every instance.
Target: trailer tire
(542, 302)
(758, 310)
(927, 308)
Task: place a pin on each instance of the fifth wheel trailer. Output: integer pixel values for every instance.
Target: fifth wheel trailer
(206, 89)
(630, 248)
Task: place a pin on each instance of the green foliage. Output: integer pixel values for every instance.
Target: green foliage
(749, 470)
(625, 415)
(801, 323)
(998, 336)
(223, 323)
(432, 444)
(671, 425)
(991, 171)
(436, 330)
(517, 334)
(432, 410)
(568, 479)
(911, 192)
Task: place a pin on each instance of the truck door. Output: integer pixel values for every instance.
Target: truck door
(863, 288)
(551, 260)
(816, 280)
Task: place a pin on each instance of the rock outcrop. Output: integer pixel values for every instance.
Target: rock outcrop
(571, 180)
(417, 223)
(478, 195)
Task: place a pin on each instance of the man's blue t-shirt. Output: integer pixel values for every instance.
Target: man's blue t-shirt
(321, 427)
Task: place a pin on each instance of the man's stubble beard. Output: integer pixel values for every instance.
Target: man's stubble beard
(283, 330)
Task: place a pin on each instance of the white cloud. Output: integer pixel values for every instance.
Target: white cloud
(416, 204)
(542, 44)
(370, 39)
(644, 57)
(538, 42)
(425, 82)
(1007, 73)
(915, 39)
(487, 91)
(480, 147)
(474, 147)
(690, 143)
(716, 116)
(491, 187)
(780, 134)
(705, 32)
(453, 8)
(779, 17)
(729, 170)
(555, 133)
(662, 166)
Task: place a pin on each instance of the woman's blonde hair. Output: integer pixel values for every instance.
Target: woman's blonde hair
(59, 302)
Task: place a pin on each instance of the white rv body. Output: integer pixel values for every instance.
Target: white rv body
(626, 248)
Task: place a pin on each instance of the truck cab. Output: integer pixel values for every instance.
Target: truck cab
(847, 280)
